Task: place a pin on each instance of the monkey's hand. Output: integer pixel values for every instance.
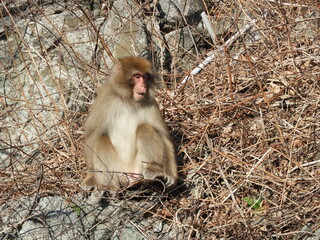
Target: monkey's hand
(133, 178)
(170, 181)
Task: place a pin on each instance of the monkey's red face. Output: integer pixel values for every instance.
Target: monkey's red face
(140, 85)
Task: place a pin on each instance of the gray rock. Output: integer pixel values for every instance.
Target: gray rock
(57, 218)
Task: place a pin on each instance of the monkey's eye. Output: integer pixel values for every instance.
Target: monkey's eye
(138, 75)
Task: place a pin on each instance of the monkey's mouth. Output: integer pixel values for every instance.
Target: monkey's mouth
(139, 95)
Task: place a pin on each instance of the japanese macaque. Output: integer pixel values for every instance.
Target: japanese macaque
(126, 139)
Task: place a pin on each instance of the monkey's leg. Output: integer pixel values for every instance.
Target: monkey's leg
(150, 151)
(104, 165)
(170, 165)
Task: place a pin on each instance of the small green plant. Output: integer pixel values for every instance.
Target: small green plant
(76, 208)
(254, 204)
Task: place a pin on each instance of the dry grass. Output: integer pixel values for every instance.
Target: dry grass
(246, 128)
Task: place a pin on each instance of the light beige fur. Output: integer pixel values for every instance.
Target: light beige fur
(125, 137)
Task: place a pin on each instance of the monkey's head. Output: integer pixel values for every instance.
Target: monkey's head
(135, 75)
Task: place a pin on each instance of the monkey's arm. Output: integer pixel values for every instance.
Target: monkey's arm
(99, 120)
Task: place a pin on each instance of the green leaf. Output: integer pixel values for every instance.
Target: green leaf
(76, 208)
(254, 204)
